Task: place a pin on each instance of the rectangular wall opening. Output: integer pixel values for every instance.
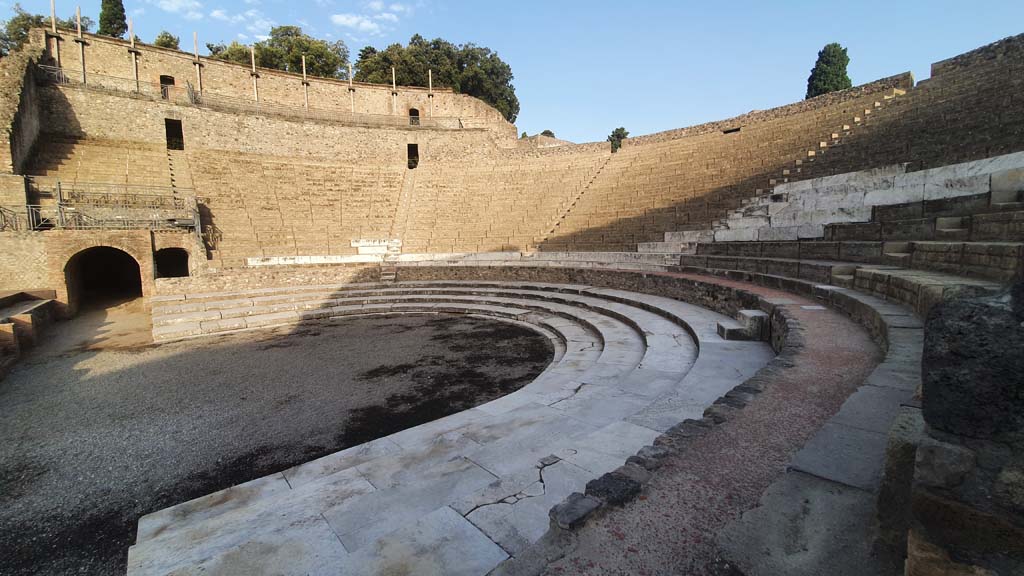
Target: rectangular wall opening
(414, 155)
(175, 135)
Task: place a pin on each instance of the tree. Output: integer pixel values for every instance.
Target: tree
(112, 19)
(467, 69)
(522, 136)
(616, 138)
(548, 133)
(829, 72)
(284, 49)
(15, 30)
(167, 40)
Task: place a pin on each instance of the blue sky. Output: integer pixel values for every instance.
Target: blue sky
(584, 68)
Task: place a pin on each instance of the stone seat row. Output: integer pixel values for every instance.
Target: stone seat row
(429, 486)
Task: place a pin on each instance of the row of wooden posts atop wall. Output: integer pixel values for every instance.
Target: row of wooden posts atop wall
(134, 52)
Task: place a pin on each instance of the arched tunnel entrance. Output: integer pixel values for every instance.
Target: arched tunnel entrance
(100, 277)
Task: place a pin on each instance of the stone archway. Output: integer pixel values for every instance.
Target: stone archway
(100, 276)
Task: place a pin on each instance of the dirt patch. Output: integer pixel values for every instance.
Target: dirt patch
(97, 429)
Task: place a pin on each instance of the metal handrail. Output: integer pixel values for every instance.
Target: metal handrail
(188, 94)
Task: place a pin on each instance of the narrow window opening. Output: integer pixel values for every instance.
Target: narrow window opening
(414, 117)
(175, 135)
(732, 130)
(166, 86)
(414, 155)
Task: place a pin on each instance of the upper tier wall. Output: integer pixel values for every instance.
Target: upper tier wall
(112, 57)
(81, 113)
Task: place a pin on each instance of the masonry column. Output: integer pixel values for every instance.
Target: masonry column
(351, 91)
(255, 76)
(80, 40)
(305, 82)
(52, 34)
(394, 93)
(198, 64)
(134, 54)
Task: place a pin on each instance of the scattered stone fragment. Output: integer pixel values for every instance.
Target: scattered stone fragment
(573, 511)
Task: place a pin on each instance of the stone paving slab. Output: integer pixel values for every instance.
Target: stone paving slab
(442, 543)
(843, 454)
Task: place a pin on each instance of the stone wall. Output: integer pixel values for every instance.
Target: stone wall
(111, 57)
(903, 81)
(37, 260)
(19, 114)
(71, 111)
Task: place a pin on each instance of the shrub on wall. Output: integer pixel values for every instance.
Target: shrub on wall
(167, 40)
(616, 138)
(14, 31)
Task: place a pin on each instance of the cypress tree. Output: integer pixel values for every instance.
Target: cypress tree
(113, 21)
(829, 72)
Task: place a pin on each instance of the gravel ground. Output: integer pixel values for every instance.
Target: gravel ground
(97, 428)
(671, 529)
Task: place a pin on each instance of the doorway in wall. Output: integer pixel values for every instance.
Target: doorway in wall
(175, 134)
(101, 276)
(414, 155)
(414, 117)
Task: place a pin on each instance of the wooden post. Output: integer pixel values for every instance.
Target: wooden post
(430, 91)
(80, 40)
(255, 76)
(197, 62)
(53, 16)
(305, 82)
(135, 54)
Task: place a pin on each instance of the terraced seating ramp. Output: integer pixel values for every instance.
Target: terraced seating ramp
(459, 495)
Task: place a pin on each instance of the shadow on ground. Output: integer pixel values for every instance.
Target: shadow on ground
(99, 427)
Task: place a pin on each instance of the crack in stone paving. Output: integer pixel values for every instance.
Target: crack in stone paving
(569, 397)
(521, 495)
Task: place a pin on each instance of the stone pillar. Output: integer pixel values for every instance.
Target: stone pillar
(255, 75)
(80, 40)
(198, 64)
(53, 35)
(134, 54)
(305, 83)
(351, 92)
(394, 93)
(430, 92)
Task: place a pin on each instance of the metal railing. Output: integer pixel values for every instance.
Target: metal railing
(205, 99)
(104, 83)
(102, 206)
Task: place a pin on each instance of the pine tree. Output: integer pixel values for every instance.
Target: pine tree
(113, 21)
(616, 138)
(829, 72)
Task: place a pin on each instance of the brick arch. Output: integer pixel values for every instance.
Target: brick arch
(117, 265)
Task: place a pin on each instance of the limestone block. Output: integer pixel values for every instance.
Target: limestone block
(938, 186)
(741, 235)
(1008, 186)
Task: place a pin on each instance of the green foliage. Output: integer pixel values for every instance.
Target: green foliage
(113, 21)
(15, 31)
(548, 133)
(284, 50)
(523, 135)
(167, 40)
(829, 72)
(466, 68)
(616, 138)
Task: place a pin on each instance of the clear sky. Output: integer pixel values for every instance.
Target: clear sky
(584, 68)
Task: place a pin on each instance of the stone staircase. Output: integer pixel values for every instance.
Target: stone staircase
(552, 227)
(461, 494)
